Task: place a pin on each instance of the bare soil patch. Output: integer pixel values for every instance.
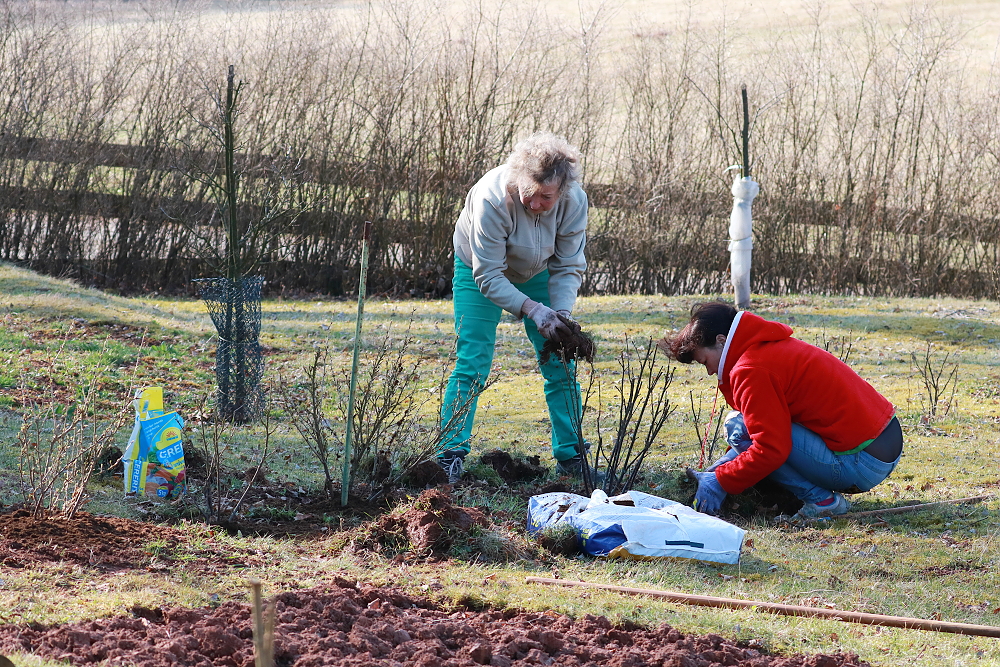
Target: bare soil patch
(343, 624)
(104, 543)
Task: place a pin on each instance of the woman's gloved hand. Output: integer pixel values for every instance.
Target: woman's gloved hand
(708, 499)
(547, 321)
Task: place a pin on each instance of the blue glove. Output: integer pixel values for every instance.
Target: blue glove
(708, 499)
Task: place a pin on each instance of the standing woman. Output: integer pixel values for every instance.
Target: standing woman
(519, 247)
(806, 420)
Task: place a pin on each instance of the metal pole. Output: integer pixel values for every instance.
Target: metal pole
(788, 609)
(746, 132)
(345, 483)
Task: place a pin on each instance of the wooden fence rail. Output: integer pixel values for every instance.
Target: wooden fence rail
(123, 231)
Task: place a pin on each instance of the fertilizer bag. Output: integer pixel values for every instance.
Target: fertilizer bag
(154, 456)
(638, 526)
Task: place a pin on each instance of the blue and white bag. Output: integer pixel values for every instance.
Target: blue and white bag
(639, 526)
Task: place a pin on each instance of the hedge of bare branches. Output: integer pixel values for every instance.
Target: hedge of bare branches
(875, 148)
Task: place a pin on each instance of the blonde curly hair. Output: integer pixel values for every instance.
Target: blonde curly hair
(542, 159)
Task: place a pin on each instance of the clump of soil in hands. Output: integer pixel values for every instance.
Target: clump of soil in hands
(344, 624)
(577, 344)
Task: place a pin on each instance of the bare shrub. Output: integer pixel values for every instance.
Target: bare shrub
(225, 490)
(707, 444)
(839, 346)
(306, 399)
(393, 408)
(872, 141)
(638, 412)
(940, 379)
(60, 443)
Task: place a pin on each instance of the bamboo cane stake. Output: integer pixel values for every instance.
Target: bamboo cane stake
(263, 629)
(787, 609)
(345, 480)
(911, 508)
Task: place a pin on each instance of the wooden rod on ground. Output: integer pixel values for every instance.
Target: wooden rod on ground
(787, 609)
(918, 506)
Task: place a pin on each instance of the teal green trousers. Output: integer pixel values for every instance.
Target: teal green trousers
(476, 320)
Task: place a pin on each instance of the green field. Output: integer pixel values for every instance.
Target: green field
(939, 563)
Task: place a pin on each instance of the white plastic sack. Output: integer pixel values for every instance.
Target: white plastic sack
(638, 525)
(741, 238)
(549, 509)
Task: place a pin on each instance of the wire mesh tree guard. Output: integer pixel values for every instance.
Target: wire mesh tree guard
(234, 306)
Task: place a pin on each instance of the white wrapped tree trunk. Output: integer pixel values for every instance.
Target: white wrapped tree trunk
(741, 238)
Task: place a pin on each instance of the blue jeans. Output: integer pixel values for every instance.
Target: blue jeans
(812, 471)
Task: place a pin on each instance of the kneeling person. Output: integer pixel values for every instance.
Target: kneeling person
(807, 421)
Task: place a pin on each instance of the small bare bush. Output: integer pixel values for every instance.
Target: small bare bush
(638, 412)
(940, 379)
(839, 346)
(395, 426)
(224, 491)
(59, 445)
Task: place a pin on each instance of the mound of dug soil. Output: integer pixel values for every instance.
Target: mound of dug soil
(347, 625)
(429, 526)
(511, 470)
(433, 527)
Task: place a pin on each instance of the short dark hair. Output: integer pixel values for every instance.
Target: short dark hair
(708, 320)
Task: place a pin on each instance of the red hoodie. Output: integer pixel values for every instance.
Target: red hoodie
(775, 381)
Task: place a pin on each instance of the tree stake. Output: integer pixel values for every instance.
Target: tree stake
(345, 483)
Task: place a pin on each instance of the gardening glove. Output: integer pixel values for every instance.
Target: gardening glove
(708, 499)
(548, 322)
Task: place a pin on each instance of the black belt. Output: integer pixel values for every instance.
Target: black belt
(889, 444)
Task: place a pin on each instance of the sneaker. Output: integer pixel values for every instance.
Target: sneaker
(834, 506)
(451, 462)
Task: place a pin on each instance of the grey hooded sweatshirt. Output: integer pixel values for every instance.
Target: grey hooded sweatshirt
(505, 244)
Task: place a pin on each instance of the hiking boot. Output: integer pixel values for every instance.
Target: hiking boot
(573, 467)
(451, 462)
(834, 506)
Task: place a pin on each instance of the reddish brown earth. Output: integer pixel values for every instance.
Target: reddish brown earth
(338, 624)
(429, 527)
(345, 624)
(104, 543)
(107, 542)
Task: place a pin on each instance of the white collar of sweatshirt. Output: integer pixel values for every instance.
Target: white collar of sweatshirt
(725, 348)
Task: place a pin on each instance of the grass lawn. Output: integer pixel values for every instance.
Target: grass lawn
(939, 563)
